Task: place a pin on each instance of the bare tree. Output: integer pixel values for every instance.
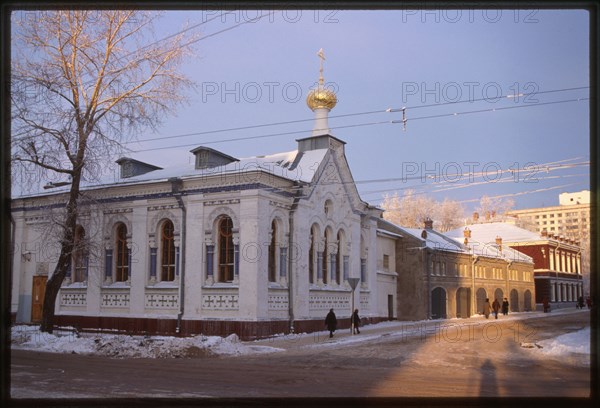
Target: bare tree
(409, 211)
(450, 214)
(412, 209)
(490, 207)
(83, 83)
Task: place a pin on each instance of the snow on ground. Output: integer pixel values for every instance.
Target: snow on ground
(576, 342)
(128, 346)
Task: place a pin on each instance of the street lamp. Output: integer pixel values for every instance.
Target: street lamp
(353, 282)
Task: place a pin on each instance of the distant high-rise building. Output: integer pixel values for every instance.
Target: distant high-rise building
(570, 219)
(580, 197)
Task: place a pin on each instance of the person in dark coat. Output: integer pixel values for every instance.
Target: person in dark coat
(496, 307)
(331, 322)
(579, 303)
(487, 308)
(356, 321)
(546, 305)
(505, 306)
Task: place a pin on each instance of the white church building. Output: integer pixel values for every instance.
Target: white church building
(253, 246)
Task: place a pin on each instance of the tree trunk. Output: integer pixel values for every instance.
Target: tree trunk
(64, 260)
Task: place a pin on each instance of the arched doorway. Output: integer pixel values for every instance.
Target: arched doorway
(463, 302)
(514, 300)
(438, 303)
(481, 296)
(527, 300)
(498, 294)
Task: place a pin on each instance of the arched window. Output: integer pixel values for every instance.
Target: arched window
(122, 269)
(273, 253)
(328, 208)
(326, 260)
(79, 255)
(311, 257)
(339, 259)
(168, 251)
(225, 249)
(363, 260)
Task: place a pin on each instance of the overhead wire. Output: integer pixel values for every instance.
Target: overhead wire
(344, 126)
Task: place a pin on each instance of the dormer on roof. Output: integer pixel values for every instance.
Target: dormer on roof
(207, 158)
(131, 167)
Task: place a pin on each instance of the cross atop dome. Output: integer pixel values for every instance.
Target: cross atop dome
(321, 100)
(321, 55)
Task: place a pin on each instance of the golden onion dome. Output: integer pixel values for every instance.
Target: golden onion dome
(321, 98)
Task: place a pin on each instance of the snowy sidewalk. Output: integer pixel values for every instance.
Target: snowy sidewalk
(402, 329)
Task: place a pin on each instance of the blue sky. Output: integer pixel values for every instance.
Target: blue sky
(260, 73)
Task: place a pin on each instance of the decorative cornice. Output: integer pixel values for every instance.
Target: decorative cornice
(117, 211)
(163, 207)
(222, 202)
(36, 220)
(280, 205)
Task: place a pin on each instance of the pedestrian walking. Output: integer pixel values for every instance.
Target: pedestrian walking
(487, 308)
(356, 321)
(579, 303)
(546, 305)
(505, 306)
(588, 301)
(496, 307)
(331, 322)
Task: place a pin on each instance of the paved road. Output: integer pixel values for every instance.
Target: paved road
(468, 358)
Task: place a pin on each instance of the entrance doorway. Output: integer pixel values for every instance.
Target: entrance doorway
(481, 295)
(514, 300)
(438, 303)
(37, 298)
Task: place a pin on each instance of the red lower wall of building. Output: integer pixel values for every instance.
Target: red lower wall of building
(244, 329)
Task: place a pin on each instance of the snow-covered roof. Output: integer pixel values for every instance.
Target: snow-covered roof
(435, 240)
(444, 242)
(492, 250)
(388, 233)
(292, 165)
(487, 232)
(483, 239)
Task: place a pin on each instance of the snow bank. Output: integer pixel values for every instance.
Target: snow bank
(125, 346)
(576, 342)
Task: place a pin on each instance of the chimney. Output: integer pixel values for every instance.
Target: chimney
(494, 214)
(544, 233)
(466, 241)
(428, 223)
(424, 234)
(467, 232)
(499, 243)
(475, 216)
(487, 215)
